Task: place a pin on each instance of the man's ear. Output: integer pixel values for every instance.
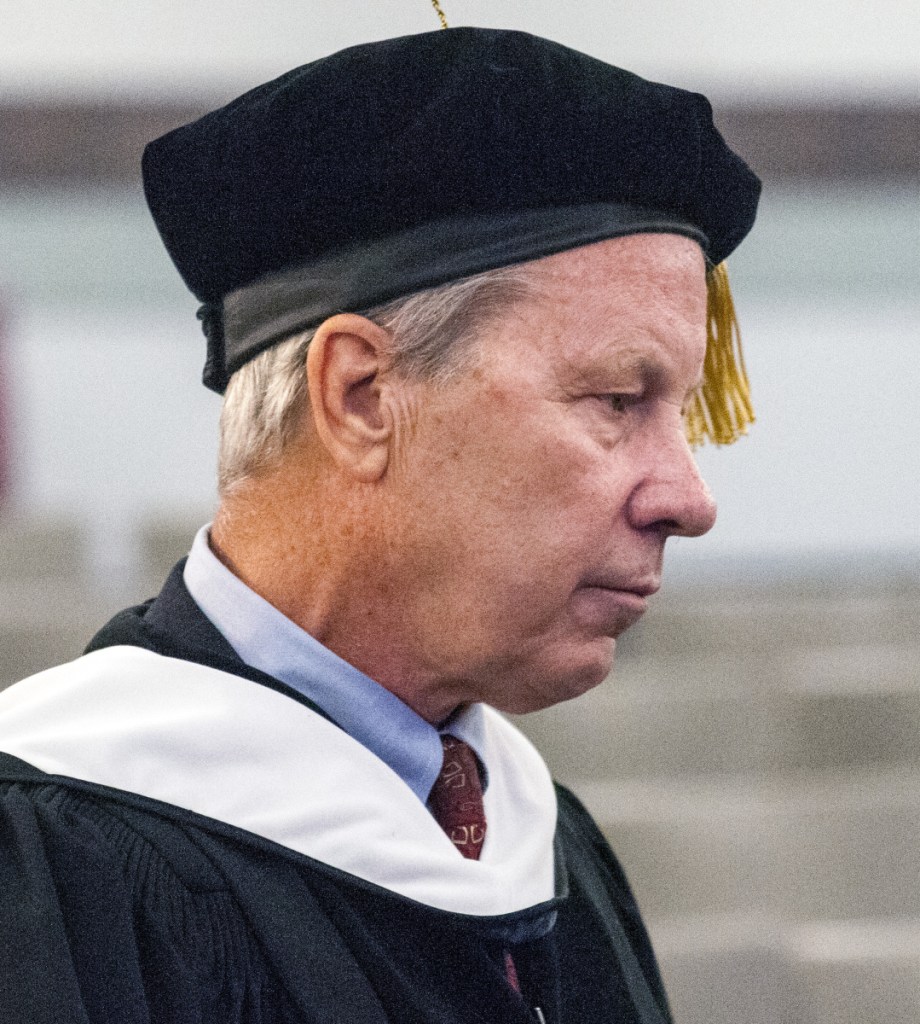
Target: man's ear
(345, 364)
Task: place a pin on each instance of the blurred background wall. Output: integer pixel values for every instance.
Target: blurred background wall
(754, 760)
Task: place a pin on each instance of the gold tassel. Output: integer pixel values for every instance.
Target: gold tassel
(721, 409)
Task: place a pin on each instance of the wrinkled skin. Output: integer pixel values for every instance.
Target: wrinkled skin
(488, 539)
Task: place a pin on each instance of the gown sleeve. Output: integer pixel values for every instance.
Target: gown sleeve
(602, 885)
(108, 915)
(65, 925)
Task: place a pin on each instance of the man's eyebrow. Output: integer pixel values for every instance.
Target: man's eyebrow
(635, 367)
(650, 374)
(612, 372)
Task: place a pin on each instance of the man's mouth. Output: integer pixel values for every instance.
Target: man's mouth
(640, 586)
(613, 609)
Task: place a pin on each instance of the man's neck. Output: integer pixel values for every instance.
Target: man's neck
(339, 587)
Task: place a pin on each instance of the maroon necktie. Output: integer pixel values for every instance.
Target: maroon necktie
(456, 803)
(456, 798)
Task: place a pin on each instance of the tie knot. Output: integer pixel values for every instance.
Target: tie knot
(456, 798)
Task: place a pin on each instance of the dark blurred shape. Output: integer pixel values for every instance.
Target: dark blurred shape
(6, 445)
(100, 143)
(81, 143)
(854, 142)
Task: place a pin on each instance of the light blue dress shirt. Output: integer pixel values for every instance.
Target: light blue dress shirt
(269, 641)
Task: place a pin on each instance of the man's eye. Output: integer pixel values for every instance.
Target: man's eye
(619, 402)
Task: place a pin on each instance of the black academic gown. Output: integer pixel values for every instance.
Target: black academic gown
(119, 909)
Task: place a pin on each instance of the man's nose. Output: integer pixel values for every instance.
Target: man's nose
(673, 497)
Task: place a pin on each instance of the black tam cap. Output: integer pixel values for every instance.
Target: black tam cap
(400, 165)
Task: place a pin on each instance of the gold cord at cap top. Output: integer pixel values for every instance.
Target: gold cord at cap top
(440, 13)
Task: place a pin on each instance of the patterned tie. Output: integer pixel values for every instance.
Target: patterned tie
(456, 798)
(456, 803)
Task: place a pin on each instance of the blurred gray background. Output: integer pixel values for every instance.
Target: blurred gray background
(754, 758)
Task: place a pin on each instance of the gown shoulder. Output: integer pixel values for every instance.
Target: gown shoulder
(114, 913)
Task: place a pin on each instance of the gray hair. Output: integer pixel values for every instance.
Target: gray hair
(433, 334)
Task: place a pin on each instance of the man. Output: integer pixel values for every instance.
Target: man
(456, 290)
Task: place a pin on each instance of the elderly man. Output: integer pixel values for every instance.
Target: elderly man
(456, 288)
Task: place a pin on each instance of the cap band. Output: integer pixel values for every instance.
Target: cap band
(369, 273)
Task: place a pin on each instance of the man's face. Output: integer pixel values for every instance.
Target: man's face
(534, 495)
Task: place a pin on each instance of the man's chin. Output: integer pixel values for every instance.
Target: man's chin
(565, 684)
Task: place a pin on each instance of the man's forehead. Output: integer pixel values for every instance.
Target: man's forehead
(631, 259)
(629, 309)
(647, 286)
